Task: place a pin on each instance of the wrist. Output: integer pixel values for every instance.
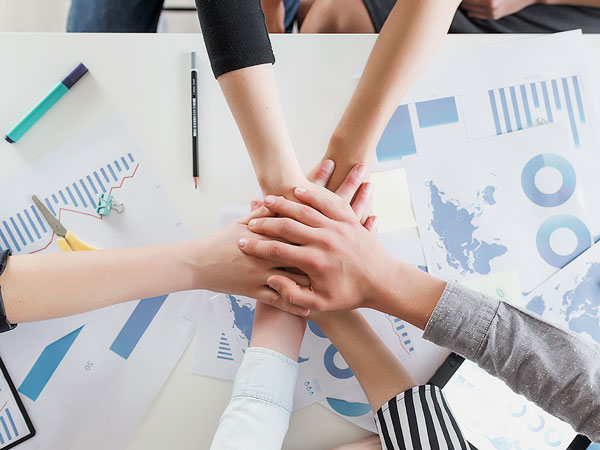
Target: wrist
(191, 263)
(280, 182)
(346, 146)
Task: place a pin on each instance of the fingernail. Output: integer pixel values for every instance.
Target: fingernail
(269, 200)
(300, 190)
(305, 312)
(368, 188)
(252, 223)
(273, 285)
(254, 203)
(243, 242)
(362, 170)
(328, 165)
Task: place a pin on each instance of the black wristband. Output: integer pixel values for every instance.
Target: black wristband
(5, 325)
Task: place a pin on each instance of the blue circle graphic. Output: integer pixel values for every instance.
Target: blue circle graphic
(569, 180)
(584, 239)
(334, 370)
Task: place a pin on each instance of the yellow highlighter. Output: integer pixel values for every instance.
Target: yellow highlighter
(67, 241)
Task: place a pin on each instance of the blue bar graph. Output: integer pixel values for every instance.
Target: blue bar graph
(400, 328)
(45, 366)
(505, 110)
(495, 112)
(136, 325)
(27, 228)
(398, 139)
(513, 97)
(224, 349)
(12, 422)
(565, 102)
(441, 111)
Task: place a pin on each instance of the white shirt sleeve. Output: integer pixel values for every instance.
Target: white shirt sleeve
(258, 414)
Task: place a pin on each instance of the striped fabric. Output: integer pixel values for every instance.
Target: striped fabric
(419, 419)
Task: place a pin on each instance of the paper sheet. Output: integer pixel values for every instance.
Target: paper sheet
(86, 381)
(571, 298)
(512, 201)
(490, 90)
(391, 201)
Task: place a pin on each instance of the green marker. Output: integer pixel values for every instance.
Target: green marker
(46, 103)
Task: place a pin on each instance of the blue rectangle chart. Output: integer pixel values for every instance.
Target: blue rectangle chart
(397, 139)
(137, 324)
(45, 366)
(517, 107)
(441, 111)
(26, 231)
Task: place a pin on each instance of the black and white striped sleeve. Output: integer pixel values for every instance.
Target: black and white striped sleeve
(419, 419)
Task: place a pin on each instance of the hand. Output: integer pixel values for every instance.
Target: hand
(493, 9)
(346, 264)
(274, 11)
(223, 268)
(368, 443)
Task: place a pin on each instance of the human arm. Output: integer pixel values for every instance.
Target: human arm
(497, 9)
(548, 365)
(412, 33)
(258, 414)
(49, 285)
(274, 11)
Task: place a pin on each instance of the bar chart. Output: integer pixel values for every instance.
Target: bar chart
(517, 107)
(27, 232)
(421, 125)
(9, 432)
(224, 349)
(401, 331)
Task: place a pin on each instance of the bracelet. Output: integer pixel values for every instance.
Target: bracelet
(5, 325)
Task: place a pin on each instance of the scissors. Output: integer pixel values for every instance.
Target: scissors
(67, 241)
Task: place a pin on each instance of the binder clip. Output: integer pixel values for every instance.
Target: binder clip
(107, 203)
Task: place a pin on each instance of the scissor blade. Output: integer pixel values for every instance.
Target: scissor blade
(52, 221)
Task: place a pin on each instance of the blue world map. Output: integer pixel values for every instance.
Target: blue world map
(455, 226)
(580, 306)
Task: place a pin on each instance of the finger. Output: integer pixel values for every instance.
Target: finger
(293, 293)
(352, 182)
(255, 204)
(324, 173)
(285, 255)
(362, 200)
(299, 278)
(323, 204)
(261, 211)
(371, 224)
(283, 228)
(294, 210)
(271, 297)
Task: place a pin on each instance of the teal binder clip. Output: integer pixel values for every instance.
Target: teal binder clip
(107, 203)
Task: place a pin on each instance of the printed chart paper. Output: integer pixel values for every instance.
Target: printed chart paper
(492, 90)
(86, 381)
(512, 201)
(571, 298)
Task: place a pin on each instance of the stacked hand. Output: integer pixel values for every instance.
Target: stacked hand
(493, 9)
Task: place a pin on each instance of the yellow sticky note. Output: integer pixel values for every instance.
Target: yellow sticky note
(505, 286)
(391, 201)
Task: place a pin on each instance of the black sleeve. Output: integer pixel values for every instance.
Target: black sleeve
(235, 34)
(4, 324)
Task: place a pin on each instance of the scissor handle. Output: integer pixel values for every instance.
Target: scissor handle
(75, 243)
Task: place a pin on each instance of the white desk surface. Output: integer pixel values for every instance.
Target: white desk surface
(145, 79)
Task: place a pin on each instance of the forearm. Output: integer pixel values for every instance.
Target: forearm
(274, 11)
(278, 331)
(590, 3)
(377, 369)
(553, 368)
(253, 99)
(43, 286)
(412, 33)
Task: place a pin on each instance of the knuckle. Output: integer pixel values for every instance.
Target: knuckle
(275, 250)
(285, 226)
(304, 212)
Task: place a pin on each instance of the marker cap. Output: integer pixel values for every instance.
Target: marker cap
(194, 61)
(74, 76)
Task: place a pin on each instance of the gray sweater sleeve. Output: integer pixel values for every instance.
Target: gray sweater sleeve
(550, 366)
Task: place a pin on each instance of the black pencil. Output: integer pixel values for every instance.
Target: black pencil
(194, 73)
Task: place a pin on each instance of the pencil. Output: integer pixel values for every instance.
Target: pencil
(194, 74)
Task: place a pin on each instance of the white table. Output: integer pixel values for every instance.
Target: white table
(145, 79)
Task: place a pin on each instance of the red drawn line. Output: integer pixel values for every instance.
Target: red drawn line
(397, 335)
(3, 406)
(84, 213)
(124, 178)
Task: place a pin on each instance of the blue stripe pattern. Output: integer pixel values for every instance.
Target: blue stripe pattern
(513, 96)
(526, 105)
(495, 112)
(505, 110)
